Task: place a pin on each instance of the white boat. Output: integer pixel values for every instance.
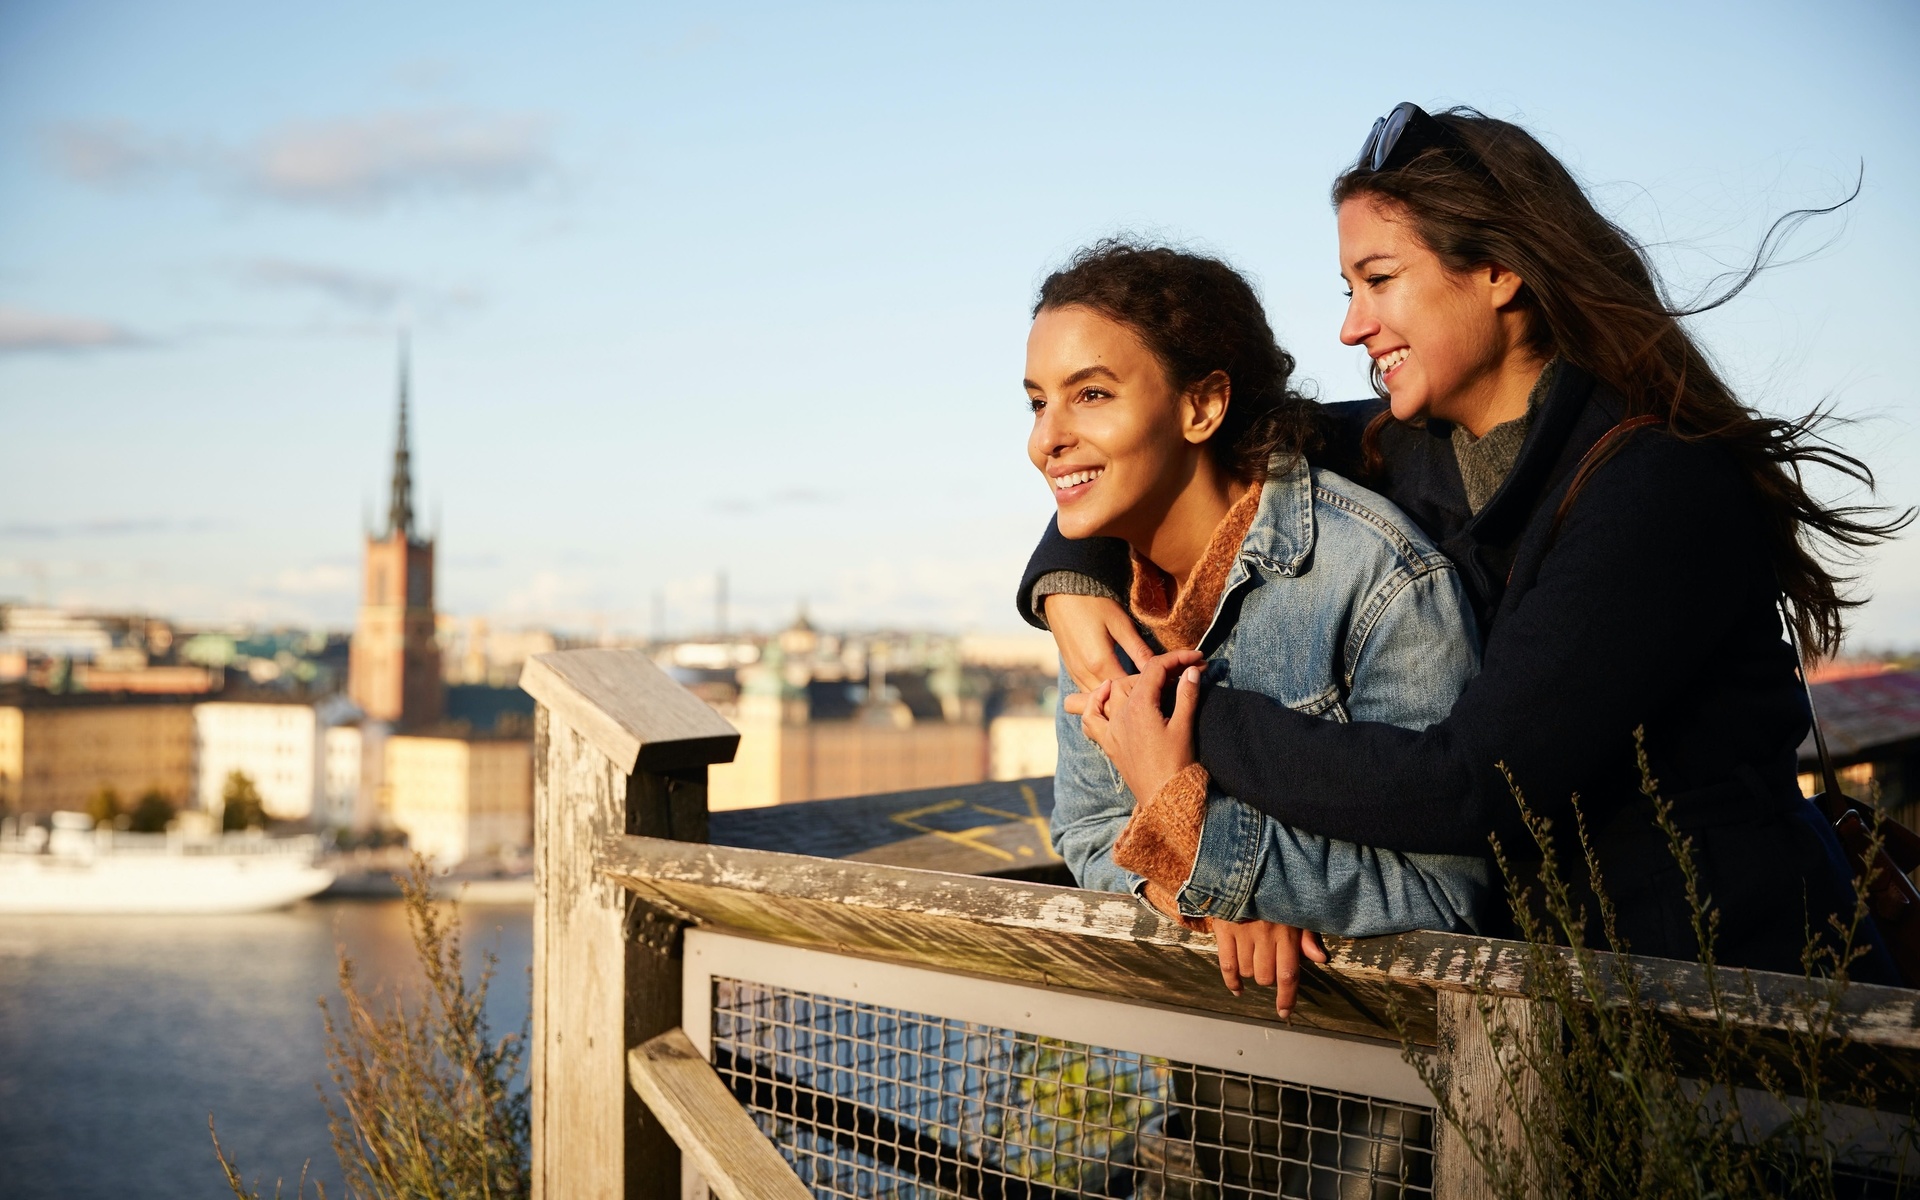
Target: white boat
(73, 868)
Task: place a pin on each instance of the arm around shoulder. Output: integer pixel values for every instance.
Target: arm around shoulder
(1088, 567)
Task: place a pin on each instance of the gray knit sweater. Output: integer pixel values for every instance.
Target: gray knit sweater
(1486, 461)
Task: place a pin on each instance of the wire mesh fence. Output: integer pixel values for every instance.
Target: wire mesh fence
(870, 1101)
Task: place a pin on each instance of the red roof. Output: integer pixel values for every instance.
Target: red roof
(1866, 714)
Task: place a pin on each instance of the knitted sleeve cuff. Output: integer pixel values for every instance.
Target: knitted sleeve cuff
(1162, 838)
(1068, 583)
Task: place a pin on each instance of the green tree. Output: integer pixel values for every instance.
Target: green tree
(104, 805)
(240, 804)
(152, 813)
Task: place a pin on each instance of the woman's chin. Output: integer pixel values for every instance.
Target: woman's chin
(1075, 526)
(1406, 406)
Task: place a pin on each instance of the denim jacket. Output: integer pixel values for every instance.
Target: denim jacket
(1337, 607)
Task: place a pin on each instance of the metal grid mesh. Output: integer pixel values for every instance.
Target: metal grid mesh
(867, 1101)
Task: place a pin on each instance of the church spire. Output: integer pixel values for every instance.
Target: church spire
(400, 508)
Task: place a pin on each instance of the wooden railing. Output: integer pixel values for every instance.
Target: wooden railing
(654, 919)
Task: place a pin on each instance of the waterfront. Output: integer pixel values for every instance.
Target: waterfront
(118, 1035)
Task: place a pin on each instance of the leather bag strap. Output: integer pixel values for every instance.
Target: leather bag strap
(1835, 799)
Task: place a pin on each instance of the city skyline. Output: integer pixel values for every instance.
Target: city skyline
(745, 290)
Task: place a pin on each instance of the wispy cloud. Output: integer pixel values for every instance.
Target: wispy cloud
(355, 289)
(349, 163)
(315, 579)
(362, 291)
(369, 161)
(111, 527)
(111, 153)
(23, 330)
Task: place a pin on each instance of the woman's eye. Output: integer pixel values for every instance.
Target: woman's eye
(1036, 404)
(1347, 292)
(1096, 394)
(1377, 280)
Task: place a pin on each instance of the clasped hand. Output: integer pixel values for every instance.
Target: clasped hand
(1126, 717)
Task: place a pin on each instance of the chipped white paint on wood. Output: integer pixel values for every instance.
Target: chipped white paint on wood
(1104, 943)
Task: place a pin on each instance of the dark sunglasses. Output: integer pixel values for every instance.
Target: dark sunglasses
(1403, 133)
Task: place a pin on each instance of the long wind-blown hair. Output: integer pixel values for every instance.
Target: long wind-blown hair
(1594, 299)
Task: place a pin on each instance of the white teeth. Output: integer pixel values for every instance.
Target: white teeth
(1063, 482)
(1393, 358)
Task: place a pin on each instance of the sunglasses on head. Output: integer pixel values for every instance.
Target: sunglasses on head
(1403, 133)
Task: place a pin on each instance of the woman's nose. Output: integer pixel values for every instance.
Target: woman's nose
(1051, 432)
(1360, 323)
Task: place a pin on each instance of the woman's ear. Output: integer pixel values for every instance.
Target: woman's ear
(1204, 407)
(1503, 284)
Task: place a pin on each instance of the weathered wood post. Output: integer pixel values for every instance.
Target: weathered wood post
(620, 748)
(1483, 1045)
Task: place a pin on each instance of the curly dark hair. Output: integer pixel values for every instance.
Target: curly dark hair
(1198, 315)
(1593, 297)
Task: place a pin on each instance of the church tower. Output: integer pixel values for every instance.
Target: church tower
(393, 670)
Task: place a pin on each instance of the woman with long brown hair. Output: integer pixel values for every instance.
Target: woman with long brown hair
(1630, 533)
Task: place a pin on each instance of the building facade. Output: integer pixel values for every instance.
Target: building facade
(342, 754)
(460, 797)
(277, 745)
(58, 751)
(1022, 746)
(393, 671)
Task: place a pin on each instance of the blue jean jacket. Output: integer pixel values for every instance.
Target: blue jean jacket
(1339, 607)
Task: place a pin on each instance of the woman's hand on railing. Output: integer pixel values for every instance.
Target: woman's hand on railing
(1088, 630)
(1267, 953)
(1123, 718)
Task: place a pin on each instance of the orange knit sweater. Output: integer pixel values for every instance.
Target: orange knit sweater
(1162, 839)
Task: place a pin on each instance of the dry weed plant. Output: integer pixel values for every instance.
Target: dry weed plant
(1606, 1109)
(427, 1104)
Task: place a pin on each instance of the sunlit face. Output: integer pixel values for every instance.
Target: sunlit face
(1108, 430)
(1435, 337)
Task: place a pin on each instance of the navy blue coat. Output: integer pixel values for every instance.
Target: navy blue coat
(1652, 605)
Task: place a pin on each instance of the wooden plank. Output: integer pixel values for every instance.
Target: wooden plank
(1869, 1014)
(580, 1100)
(1022, 932)
(1104, 944)
(707, 1122)
(974, 829)
(606, 968)
(630, 709)
(1482, 1056)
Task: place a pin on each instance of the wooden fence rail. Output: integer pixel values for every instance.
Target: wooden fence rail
(953, 883)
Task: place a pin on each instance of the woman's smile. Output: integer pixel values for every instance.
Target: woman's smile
(1391, 361)
(1071, 483)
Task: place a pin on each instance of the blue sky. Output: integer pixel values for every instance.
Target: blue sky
(735, 287)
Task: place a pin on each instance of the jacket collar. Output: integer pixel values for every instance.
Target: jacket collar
(1555, 427)
(1282, 532)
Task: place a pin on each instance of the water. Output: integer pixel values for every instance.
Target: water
(118, 1035)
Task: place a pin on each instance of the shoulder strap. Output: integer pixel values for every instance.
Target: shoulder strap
(1830, 782)
(1604, 442)
(1595, 455)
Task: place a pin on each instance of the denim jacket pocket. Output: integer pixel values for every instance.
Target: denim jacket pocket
(1329, 705)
